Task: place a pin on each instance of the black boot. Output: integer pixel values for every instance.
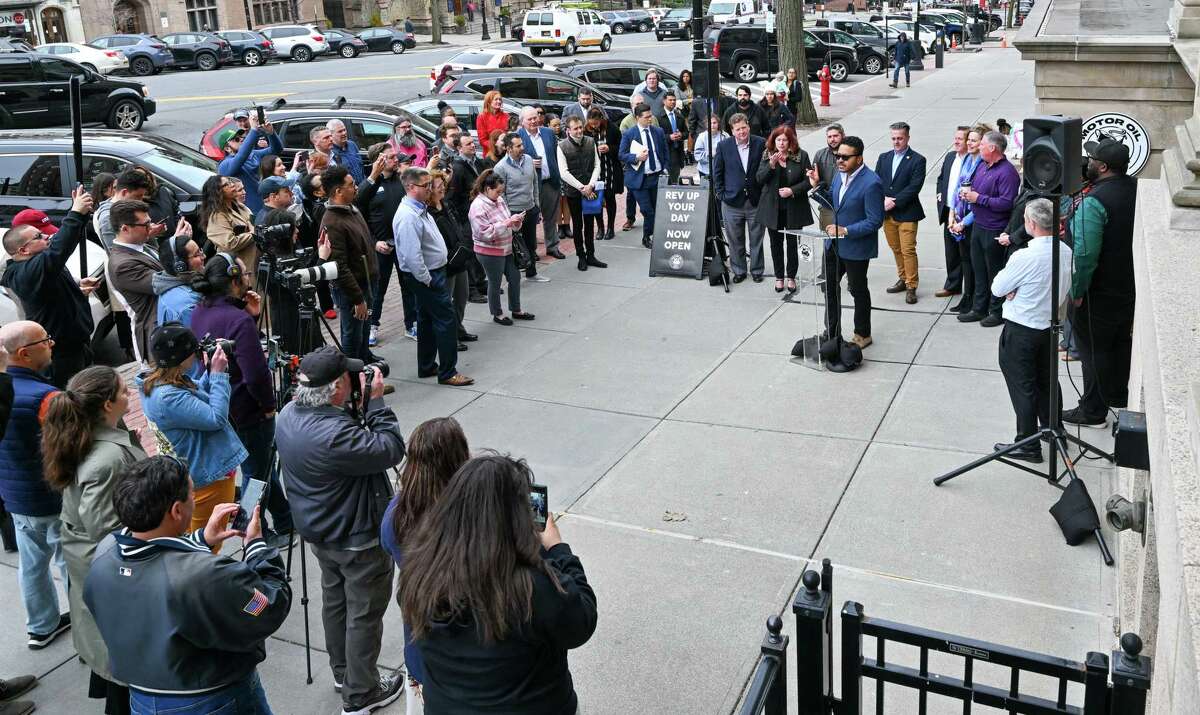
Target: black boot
(583, 264)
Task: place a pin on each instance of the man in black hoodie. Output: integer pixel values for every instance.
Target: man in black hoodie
(753, 111)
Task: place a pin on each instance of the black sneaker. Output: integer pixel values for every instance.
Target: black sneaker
(1030, 453)
(38, 641)
(991, 321)
(390, 687)
(1075, 417)
(13, 687)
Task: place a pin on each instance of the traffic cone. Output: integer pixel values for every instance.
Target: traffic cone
(1003, 41)
(954, 42)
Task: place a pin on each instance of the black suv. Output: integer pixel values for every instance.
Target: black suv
(550, 89)
(249, 47)
(676, 23)
(202, 50)
(36, 93)
(743, 52)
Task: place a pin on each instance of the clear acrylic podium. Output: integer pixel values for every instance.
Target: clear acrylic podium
(809, 295)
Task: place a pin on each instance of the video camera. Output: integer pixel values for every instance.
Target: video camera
(296, 277)
(270, 238)
(209, 344)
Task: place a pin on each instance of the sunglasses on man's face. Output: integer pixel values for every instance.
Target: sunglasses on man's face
(844, 157)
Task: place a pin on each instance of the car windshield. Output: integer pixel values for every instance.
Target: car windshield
(722, 8)
(472, 58)
(180, 163)
(678, 14)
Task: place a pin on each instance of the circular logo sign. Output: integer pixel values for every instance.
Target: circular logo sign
(18, 19)
(1122, 128)
(675, 261)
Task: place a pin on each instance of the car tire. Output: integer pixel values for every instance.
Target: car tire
(207, 61)
(839, 70)
(687, 35)
(141, 66)
(536, 51)
(90, 66)
(347, 51)
(398, 47)
(618, 29)
(252, 58)
(660, 37)
(126, 115)
(891, 56)
(873, 65)
(645, 27)
(745, 70)
(569, 48)
(302, 54)
(606, 44)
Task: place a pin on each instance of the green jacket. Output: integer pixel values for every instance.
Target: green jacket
(1087, 236)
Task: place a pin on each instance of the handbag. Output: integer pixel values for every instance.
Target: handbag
(458, 259)
(592, 207)
(520, 253)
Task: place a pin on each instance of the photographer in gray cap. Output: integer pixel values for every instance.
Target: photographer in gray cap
(334, 455)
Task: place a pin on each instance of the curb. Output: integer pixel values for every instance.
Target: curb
(427, 45)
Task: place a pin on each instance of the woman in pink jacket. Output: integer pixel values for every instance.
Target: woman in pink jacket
(492, 227)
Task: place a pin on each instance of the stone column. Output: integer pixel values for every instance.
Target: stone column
(1181, 162)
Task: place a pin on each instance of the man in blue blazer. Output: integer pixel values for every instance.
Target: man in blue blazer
(734, 172)
(902, 172)
(643, 169)
(542, 146)
(857, 199)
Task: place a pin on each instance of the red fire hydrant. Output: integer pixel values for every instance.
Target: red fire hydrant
(825, 75)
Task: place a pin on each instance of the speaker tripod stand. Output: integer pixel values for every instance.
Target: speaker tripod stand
(1054, 433)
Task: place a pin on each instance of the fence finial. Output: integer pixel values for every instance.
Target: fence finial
(775, 628)
(1131, 648)
(812, 581)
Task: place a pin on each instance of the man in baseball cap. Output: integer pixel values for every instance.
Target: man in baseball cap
(37, 219)
(276, 193)
(1102, 287)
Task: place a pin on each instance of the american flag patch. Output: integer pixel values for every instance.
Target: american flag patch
(257, 604)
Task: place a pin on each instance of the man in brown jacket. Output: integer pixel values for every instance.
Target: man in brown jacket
(353, 250)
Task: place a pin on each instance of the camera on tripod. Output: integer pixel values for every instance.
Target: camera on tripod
(209, 344)
(269, 239)
(296, 278)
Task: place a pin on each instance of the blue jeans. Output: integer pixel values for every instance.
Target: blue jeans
(257, 439)
(646, 197)
(38, 543)
(896, 74)
(386, 264)
(355, 332)
(437, 325)
(246, 697)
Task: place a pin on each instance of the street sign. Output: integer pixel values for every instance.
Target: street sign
(10, 19)
(680, 222)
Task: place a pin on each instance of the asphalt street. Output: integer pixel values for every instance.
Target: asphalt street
(189, 101)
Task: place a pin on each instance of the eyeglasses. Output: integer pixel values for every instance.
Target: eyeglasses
(424, 185)
(844, 157)
(145, 224)
(48, 339)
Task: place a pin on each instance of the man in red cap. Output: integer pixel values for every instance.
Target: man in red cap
(37, 275)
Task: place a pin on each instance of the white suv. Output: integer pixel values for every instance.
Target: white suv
(298, 42)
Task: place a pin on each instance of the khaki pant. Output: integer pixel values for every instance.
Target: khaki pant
(902, 237)
(207, 499)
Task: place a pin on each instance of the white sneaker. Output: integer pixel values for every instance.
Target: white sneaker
(411, 333)
(539, 278)
(373, 340)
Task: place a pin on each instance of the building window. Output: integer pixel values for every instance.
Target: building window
(202, 15)
(272, 12)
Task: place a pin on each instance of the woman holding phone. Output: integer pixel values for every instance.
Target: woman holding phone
(492, 226)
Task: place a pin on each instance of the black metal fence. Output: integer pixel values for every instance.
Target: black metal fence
(1111, 686)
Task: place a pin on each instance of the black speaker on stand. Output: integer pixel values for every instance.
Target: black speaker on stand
(1051, 160)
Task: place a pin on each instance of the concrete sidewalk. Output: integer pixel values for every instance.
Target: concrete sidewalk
(699, 469)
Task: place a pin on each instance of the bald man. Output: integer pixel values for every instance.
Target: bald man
(37, 275)
(542, 146)
(34, 506)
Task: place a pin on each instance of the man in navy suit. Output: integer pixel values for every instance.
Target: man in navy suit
(857, 199)
(542, 146)
(902, 172)
(735, 167)
(643, 169)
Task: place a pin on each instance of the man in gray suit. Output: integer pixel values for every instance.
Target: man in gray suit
(132, 263)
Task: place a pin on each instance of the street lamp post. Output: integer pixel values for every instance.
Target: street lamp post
(483, 18)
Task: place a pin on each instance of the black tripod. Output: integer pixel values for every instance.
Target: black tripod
(1054, 433)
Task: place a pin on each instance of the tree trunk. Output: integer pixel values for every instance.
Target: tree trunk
(789, 25)
(435, 20)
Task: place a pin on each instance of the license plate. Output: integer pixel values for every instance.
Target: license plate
(545, 33)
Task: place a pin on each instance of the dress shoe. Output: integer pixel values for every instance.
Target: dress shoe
(897, 287)
(960, 308)
(628, 226)
(596, 262)
(945, 293)
(757, 279)
(739, 279)
(388, 388)
(582, 264)
(477, 298)
(779, 286)
(427, 373)
(969, 317)
(991, 321)
(1076, 417)
(556, 253)
(19, 685)
(522, 315)
(502, 320)
(609, 236)
(459, 380)
(461, 347)
(1031, 453)
(861, 341)
(910, 296)
(467, 337)
(648, 242)
(17, 707)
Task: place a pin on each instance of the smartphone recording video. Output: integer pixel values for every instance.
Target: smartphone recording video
(251, 497)
(539, 501)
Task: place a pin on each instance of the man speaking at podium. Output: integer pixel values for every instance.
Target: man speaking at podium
(857, 199)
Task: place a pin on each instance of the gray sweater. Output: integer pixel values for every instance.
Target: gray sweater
(521, 184)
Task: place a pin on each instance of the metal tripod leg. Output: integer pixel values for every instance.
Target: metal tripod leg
(995, 456)
(304, 603)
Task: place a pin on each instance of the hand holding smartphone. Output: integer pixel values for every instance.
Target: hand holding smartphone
(539, 501)
(251, 497)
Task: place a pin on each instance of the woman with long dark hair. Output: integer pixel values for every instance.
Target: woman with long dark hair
(782, 174)
(83, 451)
(608, 140)
(228, 221)
(434, 452)
(493, 604)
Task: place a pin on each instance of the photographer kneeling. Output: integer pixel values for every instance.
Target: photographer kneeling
(193, 416)
(185, 628)
(335, 470)
(227, 312)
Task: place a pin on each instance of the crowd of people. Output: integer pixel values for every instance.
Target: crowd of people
(478, 581)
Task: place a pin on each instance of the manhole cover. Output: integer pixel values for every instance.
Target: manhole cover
(883, 96)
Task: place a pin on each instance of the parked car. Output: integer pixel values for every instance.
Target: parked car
(369, 123)
(548, 88)
(616, 77)
(146, 53)
(743, 52)
(870, 60)
(566, 30)
(477, 59)
(518, 27)
(929, 33)
(381, 39)
(676, 23)
(620, 22)
(13, 44)
(466, 107)
(251, 48)
(656, 14)
(101, 61)
(35, 91)
(37, 171)
(202, 50)
(642, 20)
(298, 42)
(343, 43)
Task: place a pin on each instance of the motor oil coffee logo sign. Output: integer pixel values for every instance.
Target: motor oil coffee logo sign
(1122, 128)
(679, 228)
